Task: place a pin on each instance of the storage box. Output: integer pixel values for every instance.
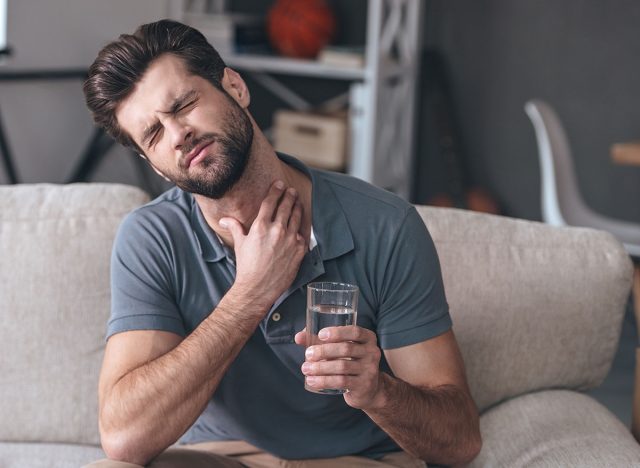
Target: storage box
(317, 139)
(231, 33)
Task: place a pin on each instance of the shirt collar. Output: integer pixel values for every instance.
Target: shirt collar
(330, 226)
(211, 248)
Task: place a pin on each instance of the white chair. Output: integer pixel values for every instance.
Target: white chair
(563, 205)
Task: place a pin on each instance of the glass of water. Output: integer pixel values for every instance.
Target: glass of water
(329, 305)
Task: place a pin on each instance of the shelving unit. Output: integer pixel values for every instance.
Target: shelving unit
(381, 94)
(286, 66)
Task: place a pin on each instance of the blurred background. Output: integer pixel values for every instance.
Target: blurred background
(474, 66)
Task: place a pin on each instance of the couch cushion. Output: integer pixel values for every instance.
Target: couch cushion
(533, 306)
(33, 455)
(55, 245)
(554, 428)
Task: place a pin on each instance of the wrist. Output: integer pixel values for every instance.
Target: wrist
(248, 300)
(381, 398)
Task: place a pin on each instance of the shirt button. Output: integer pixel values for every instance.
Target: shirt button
(276, 317)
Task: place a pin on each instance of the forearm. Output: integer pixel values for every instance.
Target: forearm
(438, 424)
(153, 405)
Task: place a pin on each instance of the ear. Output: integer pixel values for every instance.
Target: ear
(155, 169)
(235, 86)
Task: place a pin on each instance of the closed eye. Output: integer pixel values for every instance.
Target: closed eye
(187, 105)
(183, 103)
(150, 134)
(154, 137)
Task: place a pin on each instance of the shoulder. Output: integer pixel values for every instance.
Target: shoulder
(164, 217)
(364, 199)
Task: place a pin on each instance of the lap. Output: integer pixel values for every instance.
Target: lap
(237, 454)
(177, 457)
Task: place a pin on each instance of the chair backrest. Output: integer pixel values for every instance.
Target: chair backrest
(534, 306)
(55, 246)
(561, 199)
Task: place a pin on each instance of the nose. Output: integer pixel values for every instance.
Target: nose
(179, 132)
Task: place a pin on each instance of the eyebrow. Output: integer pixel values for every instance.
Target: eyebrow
(177, 103)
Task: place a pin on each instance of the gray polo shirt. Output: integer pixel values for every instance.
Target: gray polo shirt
(170, 270)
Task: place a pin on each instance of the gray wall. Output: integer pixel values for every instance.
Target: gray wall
(582, 56)
(47, 123)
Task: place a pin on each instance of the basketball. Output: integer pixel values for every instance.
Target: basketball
(300, 28)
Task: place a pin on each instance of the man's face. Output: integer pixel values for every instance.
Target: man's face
(192, 133)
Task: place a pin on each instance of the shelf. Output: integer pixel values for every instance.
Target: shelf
(297, 67)
(380, 93)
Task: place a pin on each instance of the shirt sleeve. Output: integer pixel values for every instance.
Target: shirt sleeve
(413, 306)
(142, 282)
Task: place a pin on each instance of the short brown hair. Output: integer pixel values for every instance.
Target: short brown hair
(122, 63)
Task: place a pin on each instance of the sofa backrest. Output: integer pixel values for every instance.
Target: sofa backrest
(533, 306)
(55, 246)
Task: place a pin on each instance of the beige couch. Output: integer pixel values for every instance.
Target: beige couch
(537, 311)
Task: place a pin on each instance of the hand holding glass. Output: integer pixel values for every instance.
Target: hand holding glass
(329, 305)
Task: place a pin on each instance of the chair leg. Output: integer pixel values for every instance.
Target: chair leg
(6, 156)
(635, 415)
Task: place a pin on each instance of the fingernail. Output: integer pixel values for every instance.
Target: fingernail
(223, 223)
(309, 352)
(311, 381)
(306, 367)
(292, 192)
(279, 184)
(323, 334)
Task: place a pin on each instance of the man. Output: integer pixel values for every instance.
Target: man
(208, 289)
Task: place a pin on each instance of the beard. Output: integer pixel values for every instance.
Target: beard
(220, 171)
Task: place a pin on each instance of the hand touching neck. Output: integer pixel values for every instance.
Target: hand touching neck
(244, 199)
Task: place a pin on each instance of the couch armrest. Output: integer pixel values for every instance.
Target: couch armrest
(55, 246)
(534, 307)
(554, 428)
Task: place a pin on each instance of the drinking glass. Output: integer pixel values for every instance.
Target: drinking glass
(329, 305)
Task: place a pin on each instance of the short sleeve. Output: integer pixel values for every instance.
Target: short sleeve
(413, 306)
(142, 283)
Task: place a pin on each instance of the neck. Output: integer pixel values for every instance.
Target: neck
(243, 201)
